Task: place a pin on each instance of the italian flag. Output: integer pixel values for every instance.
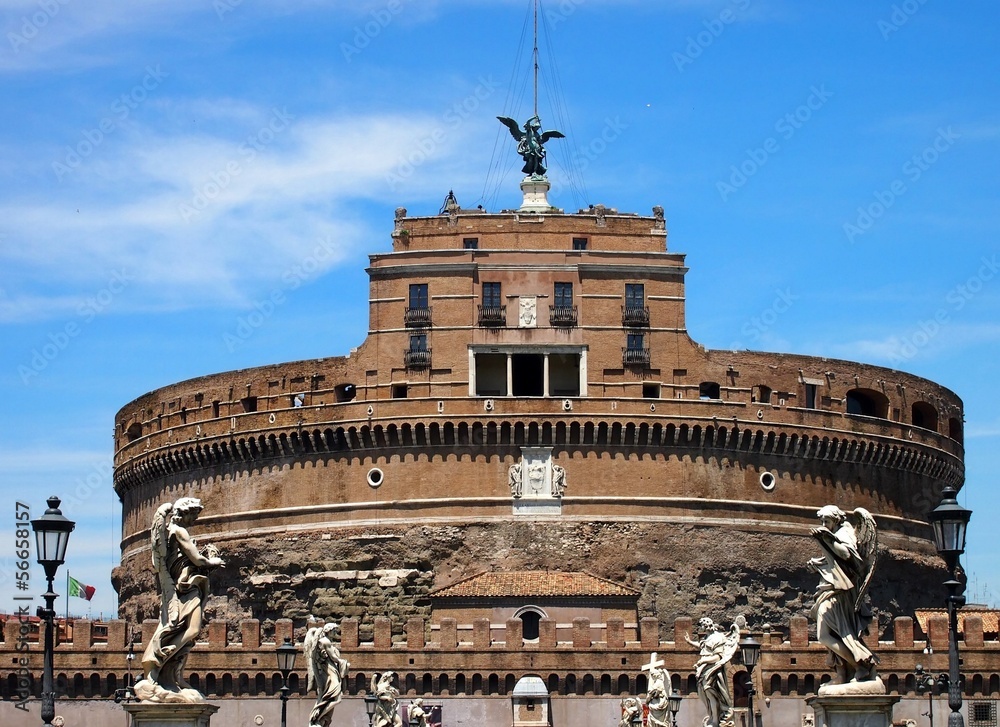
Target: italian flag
(80, 589)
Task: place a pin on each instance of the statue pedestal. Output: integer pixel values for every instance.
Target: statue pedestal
(152, 714)
(858, 710)
(535, 190)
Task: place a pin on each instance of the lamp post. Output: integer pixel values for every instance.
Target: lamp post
(51, 538)
(285, 654)
(674, 705)
(750, 650)
(926, 683)
(370, 701)
(950, 521)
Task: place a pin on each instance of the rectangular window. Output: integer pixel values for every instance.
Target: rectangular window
(418, 342)
(635, 295)
(491, 295)
(635, 341)
(470, 243)
(418, 295)
(579, 243)
(810, 396)
(399, 391)
(650, 390)
(563, 295)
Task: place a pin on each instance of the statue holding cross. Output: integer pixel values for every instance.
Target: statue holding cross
(658, 691)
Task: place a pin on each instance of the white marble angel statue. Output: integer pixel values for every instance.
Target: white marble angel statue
(387, 704)
(716, 649)
(183, 576)
(418, 715)
(631, 712)
(845, 570)
(657, 692)
(327, 672)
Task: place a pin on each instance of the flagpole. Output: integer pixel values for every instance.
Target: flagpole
(67, 596)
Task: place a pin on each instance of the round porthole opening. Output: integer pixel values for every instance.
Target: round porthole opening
(375, 477)
(767, 481)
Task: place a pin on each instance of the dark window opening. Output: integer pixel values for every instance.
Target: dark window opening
(564, 374)
(650, 390)
(635, 341)
(345, 392)
(563, 295)
(418, 295)
(635, 295)
(215, 409)
(955, 429)
(924, 415)
(249, 404)
(491, 374)
(418, 342)
(579, 243)
(867, 402)
(760, 394)
(133, 432)
(399, 391)
(529, 624)
(527, 372)
(491, 295)
(470, 243)
(810, 396)
(709, 390)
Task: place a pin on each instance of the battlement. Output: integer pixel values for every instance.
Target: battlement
(454, 658)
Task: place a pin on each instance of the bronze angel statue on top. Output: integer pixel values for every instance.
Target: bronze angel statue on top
(845, 569)
(530, 143)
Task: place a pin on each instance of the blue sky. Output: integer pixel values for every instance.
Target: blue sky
(166, 168)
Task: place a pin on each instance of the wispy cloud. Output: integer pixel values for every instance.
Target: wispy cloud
(202, 216)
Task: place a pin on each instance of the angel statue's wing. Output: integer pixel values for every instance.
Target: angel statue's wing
(309, 647)
(552, 135)
(515, 130)
(375, 678)
(158, 546)
(867, 533)
(732, 644)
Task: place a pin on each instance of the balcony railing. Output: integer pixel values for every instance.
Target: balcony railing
(562, 315)
(635, 315)
(493, 316)
(417, 359)
(417, 317)
(635, 356)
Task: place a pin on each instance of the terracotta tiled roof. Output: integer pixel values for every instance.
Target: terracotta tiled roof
(991, 618)
(533, 583)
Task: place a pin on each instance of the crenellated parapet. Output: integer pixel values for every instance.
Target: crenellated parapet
(579, 657)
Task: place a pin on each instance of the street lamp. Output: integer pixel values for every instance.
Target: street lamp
(950, 521)
(285, 654)
(674, 705)
(370, 701)
(750, 649)
(51, 538)
(926, 683)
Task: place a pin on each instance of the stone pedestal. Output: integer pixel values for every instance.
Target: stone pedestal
(860, 710)
(146, 714)
(535, 191)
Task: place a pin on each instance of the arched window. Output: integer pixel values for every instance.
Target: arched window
(708, 390)
(867, 402)
(924, 415)
(345, 392)
(530, 617)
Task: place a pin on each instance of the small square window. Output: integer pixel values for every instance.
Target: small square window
(650, 390)
(470, 243)
(579, 243)
(399, 391)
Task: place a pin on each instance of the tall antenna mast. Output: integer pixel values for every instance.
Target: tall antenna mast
(535, 58)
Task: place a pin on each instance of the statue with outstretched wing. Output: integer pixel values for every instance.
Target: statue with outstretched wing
(531, 143)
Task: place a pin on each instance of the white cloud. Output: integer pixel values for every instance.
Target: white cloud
(209, 218)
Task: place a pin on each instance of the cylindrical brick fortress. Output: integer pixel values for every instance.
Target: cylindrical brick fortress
(553, 342)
